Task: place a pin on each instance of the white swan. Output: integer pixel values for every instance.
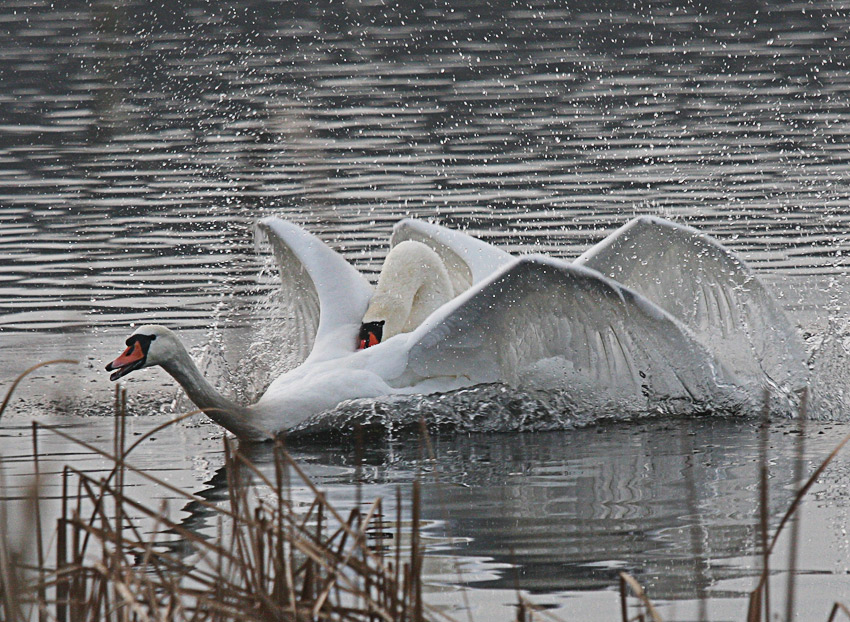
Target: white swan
(413, 283)
(531, 322)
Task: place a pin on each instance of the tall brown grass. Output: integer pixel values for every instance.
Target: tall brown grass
(274, 563)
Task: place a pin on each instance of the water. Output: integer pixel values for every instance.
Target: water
(141, 140)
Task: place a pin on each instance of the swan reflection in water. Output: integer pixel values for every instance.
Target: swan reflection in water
(656, 318)
(669, 502)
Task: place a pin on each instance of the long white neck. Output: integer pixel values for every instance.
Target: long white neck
(413, 284)
(224, 412)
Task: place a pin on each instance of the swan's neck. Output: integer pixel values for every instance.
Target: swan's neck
(413, 284)
(223, 411)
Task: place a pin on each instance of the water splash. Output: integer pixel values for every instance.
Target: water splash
(829, 362)
(494, 408)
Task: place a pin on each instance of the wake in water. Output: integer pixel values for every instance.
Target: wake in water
(491, 408)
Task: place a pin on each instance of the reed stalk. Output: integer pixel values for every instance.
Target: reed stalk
(273, 563)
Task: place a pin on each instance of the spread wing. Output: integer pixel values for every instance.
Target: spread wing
(325, 296)
(715, 294)
(544, 322)
(467, 259)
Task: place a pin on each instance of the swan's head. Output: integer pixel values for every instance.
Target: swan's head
(370, 334)
(148, 346)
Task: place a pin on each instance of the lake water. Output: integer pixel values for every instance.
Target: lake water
(141, 140)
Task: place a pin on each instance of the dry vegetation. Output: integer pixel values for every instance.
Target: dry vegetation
(268, 561)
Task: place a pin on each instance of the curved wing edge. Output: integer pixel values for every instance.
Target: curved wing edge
(328, 294)
(544, 320)
(467, 259)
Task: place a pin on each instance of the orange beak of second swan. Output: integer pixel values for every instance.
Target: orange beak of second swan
(370, 334)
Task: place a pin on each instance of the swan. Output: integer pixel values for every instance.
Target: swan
(655, 313)
(413, 283)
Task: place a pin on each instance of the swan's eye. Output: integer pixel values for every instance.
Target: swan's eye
(370, 334)
(144, 339)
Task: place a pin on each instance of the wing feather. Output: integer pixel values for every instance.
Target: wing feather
(325, 295)
(541, 322)
(710, 290)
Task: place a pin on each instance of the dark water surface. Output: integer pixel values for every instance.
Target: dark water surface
(140, 141)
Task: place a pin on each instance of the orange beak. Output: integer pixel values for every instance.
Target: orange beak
(369, 342)
(127, 362)
(370, 334)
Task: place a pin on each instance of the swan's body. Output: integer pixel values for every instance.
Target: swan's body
(458, 312)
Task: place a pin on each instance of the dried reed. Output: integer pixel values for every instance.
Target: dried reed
(274, 564)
